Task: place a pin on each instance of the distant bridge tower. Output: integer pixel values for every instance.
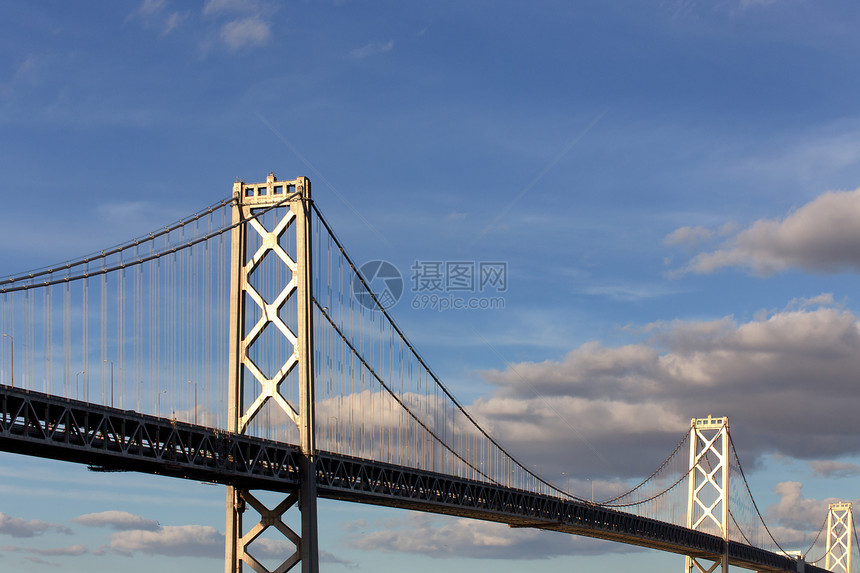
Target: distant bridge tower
(840, 524)
(251, 243)
(707, 502)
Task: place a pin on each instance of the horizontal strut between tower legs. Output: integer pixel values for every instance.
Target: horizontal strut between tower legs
(710, 569)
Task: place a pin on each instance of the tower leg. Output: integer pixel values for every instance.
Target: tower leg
(308, 504)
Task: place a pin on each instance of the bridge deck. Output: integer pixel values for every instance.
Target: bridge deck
(37, 424)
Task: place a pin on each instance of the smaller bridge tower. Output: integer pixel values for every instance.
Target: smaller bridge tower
(840, 524)
(707, 500)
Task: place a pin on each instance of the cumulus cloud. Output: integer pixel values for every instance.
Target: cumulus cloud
(170, 540)
(17, 527)
(445, 537)
(119, 520)
(632, 403)
(821, 237)
(834, 469)
(194, 541)
(798, 512)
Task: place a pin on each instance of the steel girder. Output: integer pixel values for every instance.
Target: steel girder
(110, 439)
(352, 479)
(37, 424)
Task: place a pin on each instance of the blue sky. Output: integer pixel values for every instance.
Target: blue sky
(671, 185)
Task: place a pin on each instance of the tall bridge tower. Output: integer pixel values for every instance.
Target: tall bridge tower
(291, 202)
(840, 524)
(707, 500)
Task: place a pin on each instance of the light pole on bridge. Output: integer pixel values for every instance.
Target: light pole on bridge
(77, 390)
(158, 403)
(195, 400)
(12, 352)
(111, 382)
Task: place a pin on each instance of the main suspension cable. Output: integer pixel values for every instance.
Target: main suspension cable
(755, 506)
(435, 378)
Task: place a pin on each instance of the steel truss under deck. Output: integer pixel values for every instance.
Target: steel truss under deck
(111, 439)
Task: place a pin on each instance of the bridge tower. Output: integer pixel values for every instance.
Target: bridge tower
(840, 524)
(707, 501)
(245, 376)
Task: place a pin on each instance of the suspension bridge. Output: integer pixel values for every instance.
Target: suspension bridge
(229, 348)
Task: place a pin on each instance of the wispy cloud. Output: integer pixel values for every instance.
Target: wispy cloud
(155, 14)
(245, 32)
(231, 6)
(687, 236)
(629, 292)
(326, 557)
(371, 49)
(248, 23)
(834, 469)
(446, 538)
(70, 551)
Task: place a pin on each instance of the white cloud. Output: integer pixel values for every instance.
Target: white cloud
(17, 527)
(821, 237)
(372, 49)
(119, 520)
(192, 541)
(173, 541)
